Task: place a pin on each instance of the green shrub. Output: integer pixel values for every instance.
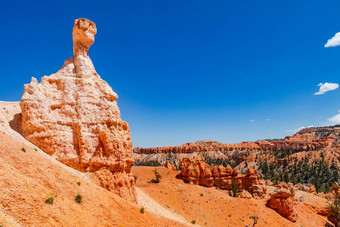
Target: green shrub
(146, 163)
(255, 218)
(79, 198)
(49, 200)
(158, 177)
(79, 183)
(23, 149)
(142, 210)
(234, 187)
(193, 222)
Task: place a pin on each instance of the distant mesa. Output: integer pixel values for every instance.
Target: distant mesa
(73, 116)
(306, 139)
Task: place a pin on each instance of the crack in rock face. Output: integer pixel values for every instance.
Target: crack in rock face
(73, 116)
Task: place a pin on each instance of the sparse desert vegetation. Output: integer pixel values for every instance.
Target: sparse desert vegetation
(79, 198)
(157, 178)
(49, 200)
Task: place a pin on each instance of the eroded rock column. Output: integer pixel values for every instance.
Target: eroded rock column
(73, 116)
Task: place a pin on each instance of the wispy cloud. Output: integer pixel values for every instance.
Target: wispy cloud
(324, 87)
(251, 121)
(334, 41)
(335, 119)
(298, 129)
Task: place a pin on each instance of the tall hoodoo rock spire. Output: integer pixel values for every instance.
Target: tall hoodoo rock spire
(73, 116)
(83, 34)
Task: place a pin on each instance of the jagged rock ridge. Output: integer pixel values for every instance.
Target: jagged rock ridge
(73, 116)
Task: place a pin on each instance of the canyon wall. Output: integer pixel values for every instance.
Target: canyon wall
(306, 139)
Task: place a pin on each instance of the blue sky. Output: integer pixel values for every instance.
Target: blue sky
(228, 71)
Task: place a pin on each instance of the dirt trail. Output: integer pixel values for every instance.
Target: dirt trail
(151, 205)
(7, 220)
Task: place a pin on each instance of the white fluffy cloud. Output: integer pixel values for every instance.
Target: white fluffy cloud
(334, 41)
(326, 87)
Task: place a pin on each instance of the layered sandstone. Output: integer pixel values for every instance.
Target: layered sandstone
(306, 139)
(73, 116)
(198, 172)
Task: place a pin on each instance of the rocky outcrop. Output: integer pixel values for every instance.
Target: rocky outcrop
(306, 187)
(245, 195)
(198, 172)
(282, 201)
(73, 116)
(324, 211)
(170, 166)
(83, 36)
(335, 188)
(226, 178)
(251, 182)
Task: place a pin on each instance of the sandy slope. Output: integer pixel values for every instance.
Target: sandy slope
(28, 178)
(10, 125)
(212, 207)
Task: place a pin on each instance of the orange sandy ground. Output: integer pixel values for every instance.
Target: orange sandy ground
(213, 207)
(28, 178)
